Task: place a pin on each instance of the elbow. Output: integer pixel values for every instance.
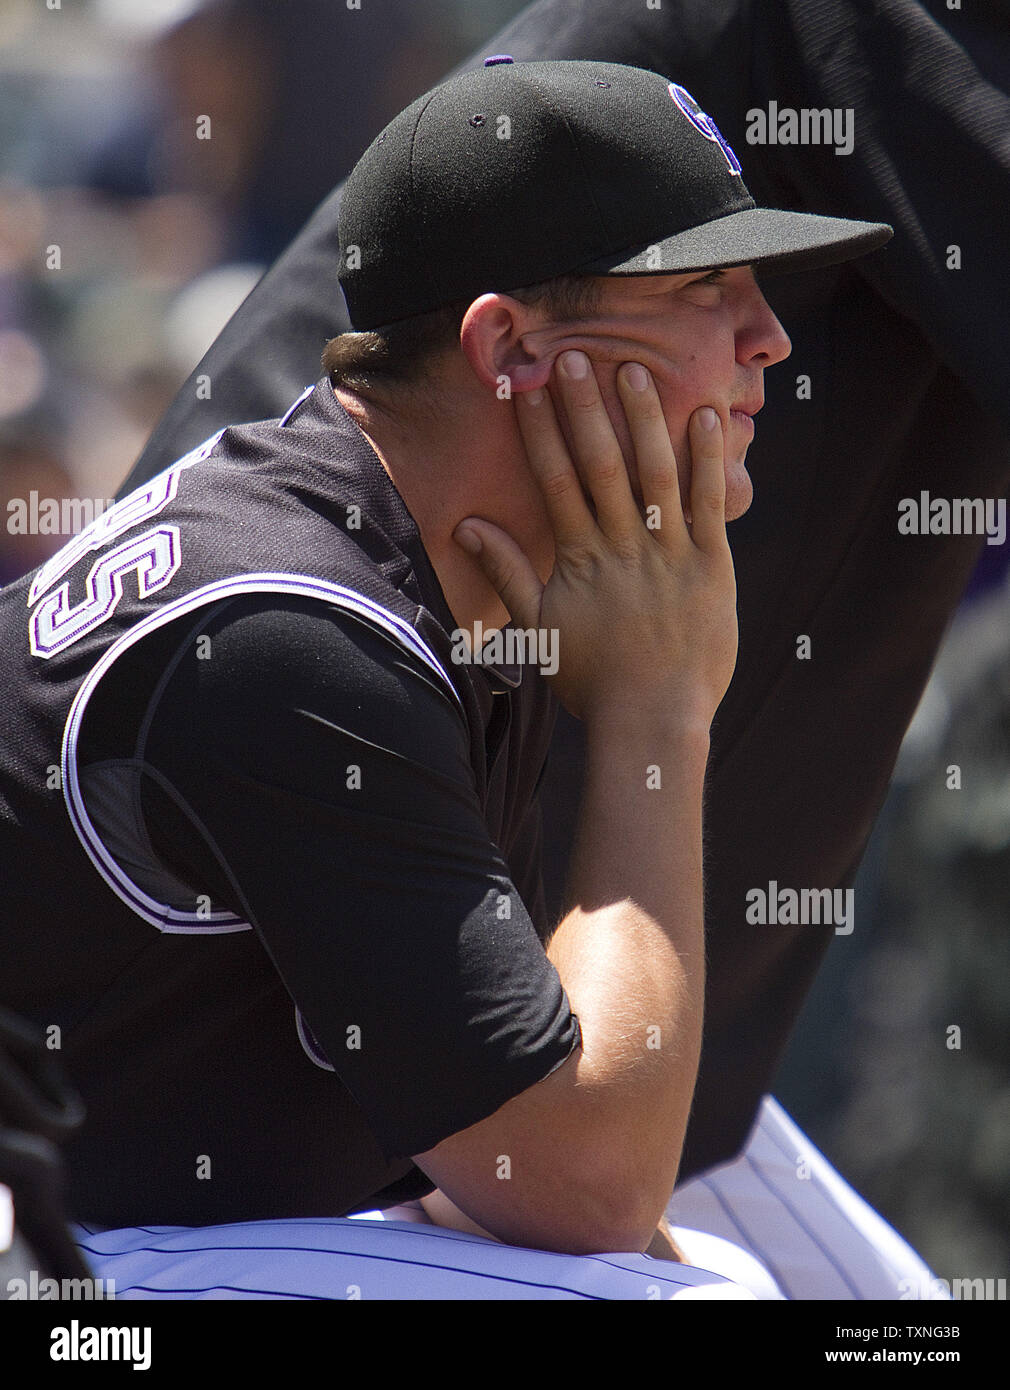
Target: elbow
(617, 1216)
(588, 1214)
(620, 1187)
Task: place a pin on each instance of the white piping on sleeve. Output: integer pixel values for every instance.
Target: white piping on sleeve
(158, 914)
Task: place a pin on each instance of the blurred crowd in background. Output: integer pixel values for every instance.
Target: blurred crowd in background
(126, 244)
(126, 239)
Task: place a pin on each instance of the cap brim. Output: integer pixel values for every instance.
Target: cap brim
(774, 239)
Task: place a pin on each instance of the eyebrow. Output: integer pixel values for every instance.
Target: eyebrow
(726, 269)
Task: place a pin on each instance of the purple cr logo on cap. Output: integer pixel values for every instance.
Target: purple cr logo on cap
(703, 122)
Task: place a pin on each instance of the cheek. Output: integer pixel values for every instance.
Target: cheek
(684, 386)
(701, 370)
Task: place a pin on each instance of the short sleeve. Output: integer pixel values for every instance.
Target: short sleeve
(328, 770)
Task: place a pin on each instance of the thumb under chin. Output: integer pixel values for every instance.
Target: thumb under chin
(468, 538)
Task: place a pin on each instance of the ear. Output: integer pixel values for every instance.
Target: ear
(491, 337)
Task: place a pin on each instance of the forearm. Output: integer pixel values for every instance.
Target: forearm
(648, 635)
(630, 952)
(441, 1212)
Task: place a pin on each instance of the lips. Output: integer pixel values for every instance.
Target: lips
(743, 413)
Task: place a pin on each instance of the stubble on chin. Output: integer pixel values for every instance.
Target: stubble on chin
(739, 490)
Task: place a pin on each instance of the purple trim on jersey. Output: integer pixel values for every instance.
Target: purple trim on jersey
(154, 556)
(141, 505)
(294, 406)
(309, 1044)
(161, 915)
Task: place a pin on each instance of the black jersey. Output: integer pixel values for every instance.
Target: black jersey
(269, 854)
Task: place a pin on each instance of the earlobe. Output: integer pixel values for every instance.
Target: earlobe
(530, 376)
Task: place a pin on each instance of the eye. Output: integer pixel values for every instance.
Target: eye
(712, 278)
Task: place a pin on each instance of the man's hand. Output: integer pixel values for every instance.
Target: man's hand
(644, 605)
(442, 1212)
(663, 1246)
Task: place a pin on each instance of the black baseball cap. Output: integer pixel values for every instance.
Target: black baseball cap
(520, 172)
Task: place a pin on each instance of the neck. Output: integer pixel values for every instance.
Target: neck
(441, 479)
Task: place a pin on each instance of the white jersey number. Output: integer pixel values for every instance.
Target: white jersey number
(154, 557)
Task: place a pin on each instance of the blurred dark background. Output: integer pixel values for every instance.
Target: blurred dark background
(126, 244)
(126, 239)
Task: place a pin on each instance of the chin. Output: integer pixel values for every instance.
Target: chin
(739, 490)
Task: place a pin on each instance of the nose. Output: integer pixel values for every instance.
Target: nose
(761, 340)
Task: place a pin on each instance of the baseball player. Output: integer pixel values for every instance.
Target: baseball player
(895, 383)
(293, 936)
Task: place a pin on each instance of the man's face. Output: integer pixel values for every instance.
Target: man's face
(706, 339)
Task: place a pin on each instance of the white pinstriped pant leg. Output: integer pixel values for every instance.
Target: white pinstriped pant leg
(782, 1201)
(777, 1222)
(367, 1258)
